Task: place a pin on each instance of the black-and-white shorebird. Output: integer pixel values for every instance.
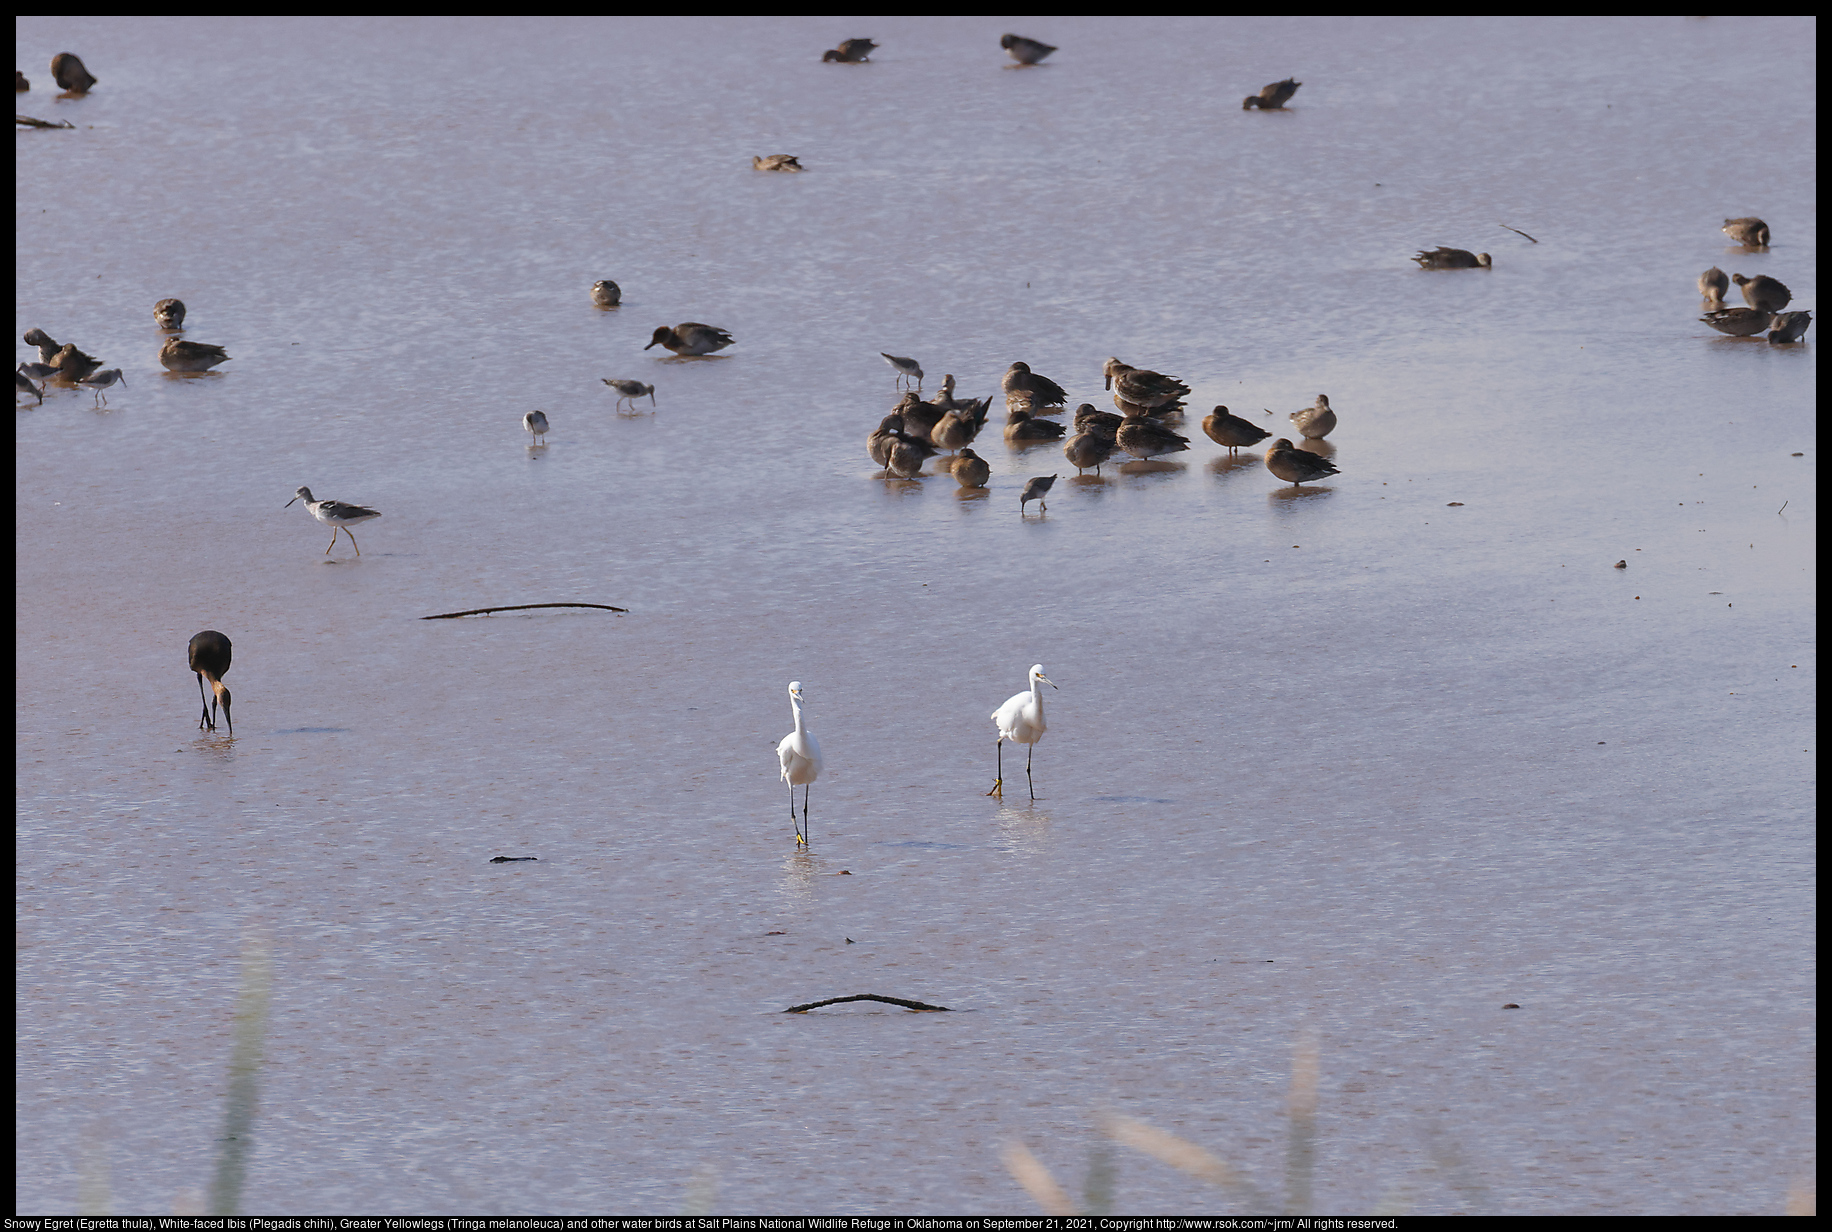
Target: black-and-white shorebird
(535, 422)
(906, 368)
(99, 381)
(1036, 490)
(336, 515)
(210, 653)
(1296, 466)
(630, 391)
(691, 338)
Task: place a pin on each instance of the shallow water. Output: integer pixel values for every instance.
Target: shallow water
(1371, 759)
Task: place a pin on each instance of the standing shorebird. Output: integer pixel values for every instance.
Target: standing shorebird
(1712, 285)
(534, 421)
(100, 381)
(1145, 437)
(1763, 293)
(72, 364)
(691, 338)
(906, 368)
(1040, 390)
(1024, 50)
(1226, 428)
(1021, 719)
(210, 660)
(1789, 326)
(800, 754)
(169, 313)
(630, 391)
(1315, 422)
(1295, 465)
(181, 356)
(970, 470)
(334, 514)
(606, 294)
(23, 384)
(68, 72)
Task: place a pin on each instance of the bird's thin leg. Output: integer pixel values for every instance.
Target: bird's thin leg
(998, 784)
(327, 551)
(346, 530)
(205, 718)
(1028, 750)
(799, 840)
(807, 832)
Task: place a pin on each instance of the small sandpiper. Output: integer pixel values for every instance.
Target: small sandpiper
(1024, 50)
(906, 368)
(100, 381)
(1036, 490)
(535, 422)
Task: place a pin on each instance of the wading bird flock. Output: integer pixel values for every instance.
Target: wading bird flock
(915, 430)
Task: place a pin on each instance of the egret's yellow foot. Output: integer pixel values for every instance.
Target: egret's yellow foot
(998, 788)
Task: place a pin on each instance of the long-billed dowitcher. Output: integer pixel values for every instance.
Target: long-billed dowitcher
(970, 470)
(1295, 465)
(1738, 322)
(1147, 438)
(1021, 719)
(906, 368)
(1315, 422)
(336, 515)
(1272, 97)
(1789, 326)
(210, 652)
(1226, 428)
(954, 430)
(851, 51)
(181, 356)
(535, 422)
(878, 444)
(68, 72)
(691, 338)
(775, 162)
(800, 754)
(1019, 379)
(1749, 232)
(1024, 50)
(1442, 258)
(1035, 490)
(905, 455)
(630, 391)
(169, 313)
(100, 381)
(1763, 293)
(606, 294)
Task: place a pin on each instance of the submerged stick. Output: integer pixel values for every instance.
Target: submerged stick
(519, 607)
(29, 122)
(908, 1005)
(1516, 230)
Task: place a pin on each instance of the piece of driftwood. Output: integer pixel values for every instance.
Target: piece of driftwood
(520, 607)
(1516, 230)
(29, 122)
(908, 1005)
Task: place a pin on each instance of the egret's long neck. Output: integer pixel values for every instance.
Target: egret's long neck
(800, 729)
(1037, 693)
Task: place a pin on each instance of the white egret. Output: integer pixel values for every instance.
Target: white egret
(1021, 719)
(800, 754)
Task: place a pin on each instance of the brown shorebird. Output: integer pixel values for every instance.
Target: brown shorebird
(1763, 293)
(852, 51)
(1789, 326)
(606, 294)
(1738, 322)
(1089, 448)
(1315, 422)
(68, 72)
(775, 162)
(1712, 284)
(1147, 438)
(1749, 232)
(1042, 391)
(1442, 258)
(169, 313)
(971, 470)
(1272, 97)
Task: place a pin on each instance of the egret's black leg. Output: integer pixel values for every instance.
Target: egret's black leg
(1028, 750)
(807, 834)
(998, 784)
